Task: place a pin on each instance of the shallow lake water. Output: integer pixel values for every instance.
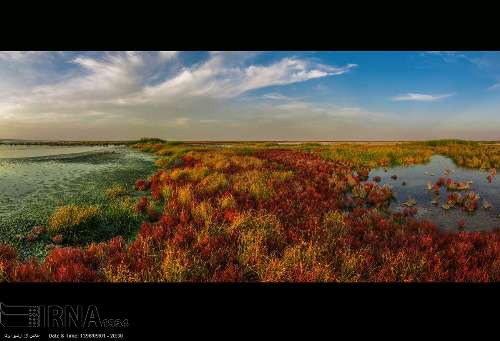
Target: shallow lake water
(416, 179)
(34, 180)
(23, 151)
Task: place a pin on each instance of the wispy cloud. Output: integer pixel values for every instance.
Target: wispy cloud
(93, 92)
(419, 97)
(276, 97)
(218, 78)
(448, 56)
(494, 86)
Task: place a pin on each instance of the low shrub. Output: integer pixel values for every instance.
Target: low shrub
(73, 221)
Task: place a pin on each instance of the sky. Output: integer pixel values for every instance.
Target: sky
(287, 95)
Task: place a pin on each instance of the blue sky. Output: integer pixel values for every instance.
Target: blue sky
(250, 95)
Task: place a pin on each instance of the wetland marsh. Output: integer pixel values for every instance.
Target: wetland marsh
(307, 212)
(35, 180)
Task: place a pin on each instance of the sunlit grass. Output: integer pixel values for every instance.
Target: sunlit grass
(268, 213)
(69, 218)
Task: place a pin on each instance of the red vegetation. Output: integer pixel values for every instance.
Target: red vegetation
(322, 223)
(38, 230)
(141, 185)
(7, 252)
(442, 181)
(35, 233)
(142, 204)
(58, 239)
(153, 214)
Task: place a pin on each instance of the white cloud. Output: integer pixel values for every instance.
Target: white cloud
(276, 97)
(494, 86)
(167, 55)
(129, 90)
(216, 78)
(351, 109)
(419, 97)
(21, 56)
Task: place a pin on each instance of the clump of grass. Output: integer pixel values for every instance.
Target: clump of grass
(213, 183)
(119, 274)
(253, 182)
(282, 176)
(179, 174)
(163, 162)
(198, 173)
(115, 192)
(247, 162)
(119, 213)
(78, 224)
(169, 162)
(334, 222)
(259, 239)
(185, 195)
(372, 156)
(71, 220)
(202, 213)
(300, 263)
(194, 174)
(227, 201)
(222, 165)
(69, 216)
(260, 191)
(167, 192)
(175, 265)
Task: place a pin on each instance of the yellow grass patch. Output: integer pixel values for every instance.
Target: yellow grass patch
(202, 213)
(115, 192)
(227, 201)
(213, 183)
(69, 216)
(185, 195)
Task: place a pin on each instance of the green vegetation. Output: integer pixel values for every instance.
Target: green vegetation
(449, 142)
(265, 212)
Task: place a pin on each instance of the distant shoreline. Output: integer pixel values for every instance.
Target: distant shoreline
(201, 142)
(64, 143)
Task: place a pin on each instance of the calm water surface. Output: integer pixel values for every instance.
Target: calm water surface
(416, 180)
